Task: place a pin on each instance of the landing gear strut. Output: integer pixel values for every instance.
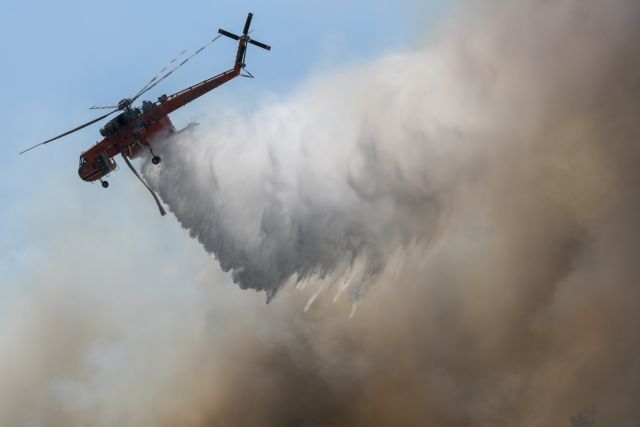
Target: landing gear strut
(155, 159)
(105, 184)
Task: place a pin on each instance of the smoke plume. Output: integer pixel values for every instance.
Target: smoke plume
(476, 199)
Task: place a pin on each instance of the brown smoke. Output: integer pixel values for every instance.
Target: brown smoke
(519, 310)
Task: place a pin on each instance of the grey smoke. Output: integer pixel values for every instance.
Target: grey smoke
(490, 180)
(481, 193)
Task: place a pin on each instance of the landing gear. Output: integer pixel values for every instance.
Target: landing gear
(155, 159)
(105, 184)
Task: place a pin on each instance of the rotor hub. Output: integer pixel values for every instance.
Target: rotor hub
(124, 104)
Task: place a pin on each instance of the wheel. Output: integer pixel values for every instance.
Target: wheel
(155, 160)
(105, 184)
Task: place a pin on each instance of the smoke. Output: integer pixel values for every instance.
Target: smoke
(329, 182)
(477, 199)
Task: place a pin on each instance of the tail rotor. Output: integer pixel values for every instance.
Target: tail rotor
(244, 39)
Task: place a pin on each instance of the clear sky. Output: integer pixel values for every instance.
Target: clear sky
(59, 58)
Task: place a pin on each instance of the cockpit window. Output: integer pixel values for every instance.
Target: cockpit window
(83, 161)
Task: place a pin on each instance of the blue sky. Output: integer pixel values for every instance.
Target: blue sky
(61, 57)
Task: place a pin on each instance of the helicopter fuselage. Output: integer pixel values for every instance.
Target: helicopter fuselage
(136, 129)
(133, 135)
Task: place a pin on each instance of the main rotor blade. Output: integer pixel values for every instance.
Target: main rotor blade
(228, 34)
(159, 73)
(144, 88)
(247, 24)
(103, 107)
(262, 45)
(70, 131)
(139, 94)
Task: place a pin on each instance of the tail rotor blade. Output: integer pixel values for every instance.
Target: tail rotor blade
(228, 34)
(262, 45)
(247, 24)
(244, 41)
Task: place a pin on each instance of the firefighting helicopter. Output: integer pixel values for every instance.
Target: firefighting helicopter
(136, 129)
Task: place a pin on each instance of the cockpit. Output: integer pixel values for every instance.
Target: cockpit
(94, 165)
(82, 166)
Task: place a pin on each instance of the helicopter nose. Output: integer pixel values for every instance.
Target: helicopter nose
(82, 173)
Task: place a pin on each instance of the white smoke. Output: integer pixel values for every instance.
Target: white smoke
(345, 172)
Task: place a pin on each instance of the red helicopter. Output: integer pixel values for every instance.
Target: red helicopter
(136, 129)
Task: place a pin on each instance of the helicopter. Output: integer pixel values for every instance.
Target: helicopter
(136, 129)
